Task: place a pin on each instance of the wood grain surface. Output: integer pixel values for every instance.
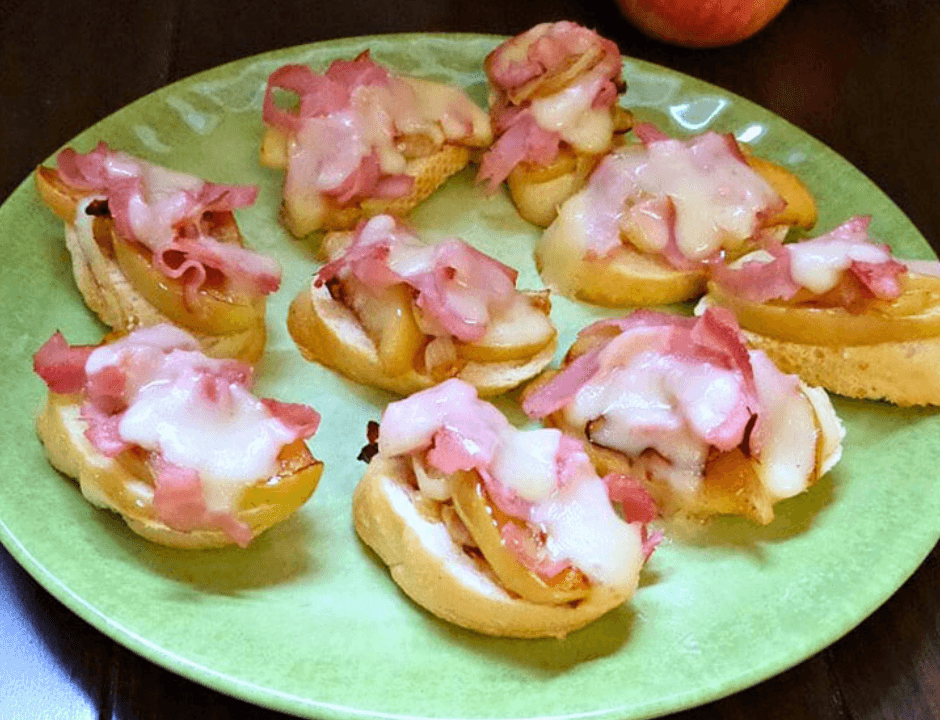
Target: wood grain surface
(861, 76)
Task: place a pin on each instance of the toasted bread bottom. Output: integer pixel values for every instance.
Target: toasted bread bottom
(436, 573)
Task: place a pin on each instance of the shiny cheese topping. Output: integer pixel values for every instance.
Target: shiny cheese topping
(819, 266)
(571, 113)
(694, 197)
(194, 411)
(661, 402)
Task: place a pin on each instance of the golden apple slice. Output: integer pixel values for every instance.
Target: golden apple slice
(832, 326)
(58, 196)
(484, 521)
(520, 331)
(389, 320)
(216, 311)
(800, 210)
(275, 498)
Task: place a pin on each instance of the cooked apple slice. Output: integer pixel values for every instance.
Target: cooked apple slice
(272, 499)
(801, 207)
(520, 331)
(216, 311)
(389, 320)
(833, 326)
(484, 521)
(59, 197)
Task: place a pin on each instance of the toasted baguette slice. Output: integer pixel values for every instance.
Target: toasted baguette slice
(902, 373)
(631, 278)
(110, 294)
(329, 333)
(107, 483)
(304, 215)
(434, 570)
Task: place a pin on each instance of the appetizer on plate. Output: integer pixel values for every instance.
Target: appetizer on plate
(361, 140)
(151, 245)
(172, 440)
(655, 213)
(842, 312)
(710, 426)
(393, 312)
(502, 531)
(553, 105)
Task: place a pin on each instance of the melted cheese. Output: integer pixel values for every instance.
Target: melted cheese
(569, 112)
(581, 526)
(716, 198)
(224, 433)
(818, 266)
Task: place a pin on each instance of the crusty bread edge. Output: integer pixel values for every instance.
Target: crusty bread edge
(902, 373)
(435, 572)
(107, 484)
(327, 332)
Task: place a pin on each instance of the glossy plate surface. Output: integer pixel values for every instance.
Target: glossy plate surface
(307, 620)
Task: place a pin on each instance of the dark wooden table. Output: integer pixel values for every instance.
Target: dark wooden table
(863, 76)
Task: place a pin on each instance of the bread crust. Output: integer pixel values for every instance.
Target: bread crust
(436, 573)
(327, 332)
(106, 483)
(903, 373)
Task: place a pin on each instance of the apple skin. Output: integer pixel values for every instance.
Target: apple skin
(700, 23)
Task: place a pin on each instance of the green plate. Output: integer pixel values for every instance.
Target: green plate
(307, 620)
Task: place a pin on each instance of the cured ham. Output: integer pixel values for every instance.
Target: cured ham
(456, 286)
(171, 214)
(553, 86)
(843, 267)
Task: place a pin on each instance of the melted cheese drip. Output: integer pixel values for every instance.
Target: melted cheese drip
(818, 266)
(610, 553)
(659, 402)
(717, 199)
(569, 113)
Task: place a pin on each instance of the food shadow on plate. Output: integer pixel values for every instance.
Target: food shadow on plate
(792, 517)
(278, 556)
(541, 657)
(544, 658)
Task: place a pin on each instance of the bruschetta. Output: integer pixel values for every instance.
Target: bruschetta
(655, 213)
(708, 425)
(554, 109)
(841, 311)
(151, 245)
(502, 531)
(393, 312)
(172, 440)
(359, 140)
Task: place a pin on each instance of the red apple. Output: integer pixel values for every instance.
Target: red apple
(701, 23)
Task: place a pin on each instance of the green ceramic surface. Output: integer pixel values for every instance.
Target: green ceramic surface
(307, 620)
